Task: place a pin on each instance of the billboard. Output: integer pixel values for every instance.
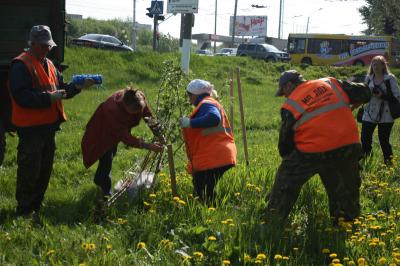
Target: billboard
(249, 25)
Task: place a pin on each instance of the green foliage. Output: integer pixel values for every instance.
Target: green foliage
(382, 17)
(182, 231)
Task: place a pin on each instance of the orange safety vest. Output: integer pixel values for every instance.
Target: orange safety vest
(323, 117)
(213, 147)
(27, 117)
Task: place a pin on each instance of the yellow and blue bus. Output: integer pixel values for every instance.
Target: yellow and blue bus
(341, 50)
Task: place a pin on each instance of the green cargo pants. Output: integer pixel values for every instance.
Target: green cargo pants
(340, 175)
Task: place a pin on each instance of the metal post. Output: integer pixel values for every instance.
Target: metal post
(134, 26)
(280, 18)
(215, 25)
(233, 25)
(308, 22)
(187, 41)
(155, 25)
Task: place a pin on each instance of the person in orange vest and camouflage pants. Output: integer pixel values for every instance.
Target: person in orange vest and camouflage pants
(36, 89)
(318, 135)
(210, 145)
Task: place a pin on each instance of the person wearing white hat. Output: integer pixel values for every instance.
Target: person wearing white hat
(209, 140)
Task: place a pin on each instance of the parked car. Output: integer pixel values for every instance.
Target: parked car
(204, 52)
(266, 52)
(227, 52)
(101, 41)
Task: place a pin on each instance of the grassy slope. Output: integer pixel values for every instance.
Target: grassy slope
(71, 196)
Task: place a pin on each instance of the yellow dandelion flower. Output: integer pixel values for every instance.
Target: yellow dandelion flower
(198, 255)
(295, 249)
(226, 262)
(351, 263)
(325, 251)
(261, 256)
(346, 259)
(237, 194)
(152, 195)
(278, 257)
(229, 220)
(224, 222)
(332, 255)
(211, 209)
(175, 198)
(81, 264)
(212, 238)
(109, 247)
(335, 261)
(247, 258)
(92, 246)
(382, 261)
(285, 258)
(146, 204)
(104, 238)
(361, 262)
(258, 261)
(50, 252)
(122, 221)
(182, 202)
(141, 245)
(231, 225)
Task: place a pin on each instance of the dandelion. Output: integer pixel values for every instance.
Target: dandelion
(346, 259)
(146, 204)
(382, 261)
(247, 258)
(278, 257)
(237, 194)
(109, 247)
(285, 258)
(81, 264)
(335, 261)
(332, 255)
(198, 255)
(351, 263)
(211, 209)
(92, 246)
(258, 261)
(182, 202)
(297, 249)
(261, 256)
(212, 238)
(152, 195)
(50, 252)
(105, 239)
(141, 245)
(176, 198)
(325, 251)
(122, 221)
(361, 262)
(226, 262)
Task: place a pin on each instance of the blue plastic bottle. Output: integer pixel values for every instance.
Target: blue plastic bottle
(80, 79)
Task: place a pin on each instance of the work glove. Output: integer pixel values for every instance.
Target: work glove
(86, 84)
(184, 122)
(57, 95)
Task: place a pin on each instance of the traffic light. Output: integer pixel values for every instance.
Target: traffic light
(160, 17)
(149, 14)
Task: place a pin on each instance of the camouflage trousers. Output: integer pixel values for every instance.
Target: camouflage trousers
(340, 175)
(35, 164)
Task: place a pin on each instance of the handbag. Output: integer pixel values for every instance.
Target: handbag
(360, 113)
(394, 104)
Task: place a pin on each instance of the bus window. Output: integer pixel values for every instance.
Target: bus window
(320, 46)
(296, 46)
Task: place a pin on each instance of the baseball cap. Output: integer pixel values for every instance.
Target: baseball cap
(287, 76)
(41, 34)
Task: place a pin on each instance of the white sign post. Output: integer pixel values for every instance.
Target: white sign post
(183, 6)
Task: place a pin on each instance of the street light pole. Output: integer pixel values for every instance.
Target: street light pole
(308, 23)
(233, 24)
(280, 18)
(215, 25)
(134, 26)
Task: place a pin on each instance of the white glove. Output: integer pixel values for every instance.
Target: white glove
(185, 122)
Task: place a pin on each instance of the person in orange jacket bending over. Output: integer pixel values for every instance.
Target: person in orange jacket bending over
(210, 145)
(318, 135)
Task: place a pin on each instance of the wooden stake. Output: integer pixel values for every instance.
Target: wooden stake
(231, 100)
(246, 154)
(172, 169)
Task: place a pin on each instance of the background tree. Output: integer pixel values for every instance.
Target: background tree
(382, 17)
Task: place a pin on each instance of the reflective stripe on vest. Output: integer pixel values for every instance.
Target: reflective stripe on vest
(216, 129)
(305, 116)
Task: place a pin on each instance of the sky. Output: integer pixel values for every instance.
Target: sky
(324, 16)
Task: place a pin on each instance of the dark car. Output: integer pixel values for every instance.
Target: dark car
(101, 41)
(262, 51)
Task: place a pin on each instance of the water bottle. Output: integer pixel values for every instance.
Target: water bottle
(80, 79)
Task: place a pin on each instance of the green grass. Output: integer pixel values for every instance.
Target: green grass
(171, 230)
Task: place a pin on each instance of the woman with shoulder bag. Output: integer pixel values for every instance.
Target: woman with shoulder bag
(384, 88)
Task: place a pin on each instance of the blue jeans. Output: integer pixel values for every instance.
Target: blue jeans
(102, 177)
